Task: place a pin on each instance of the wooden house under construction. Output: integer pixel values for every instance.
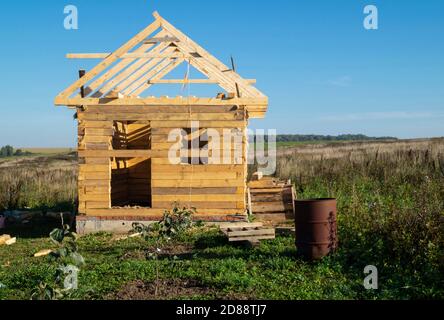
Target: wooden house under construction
(127, 167)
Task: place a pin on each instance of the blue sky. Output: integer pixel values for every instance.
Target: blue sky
(323, 72)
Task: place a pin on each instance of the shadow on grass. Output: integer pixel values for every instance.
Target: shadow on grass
(35, 227)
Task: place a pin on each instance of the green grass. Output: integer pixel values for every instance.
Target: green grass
(270, 271)
(390, 214)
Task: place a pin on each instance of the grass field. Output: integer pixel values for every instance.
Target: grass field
(390, 210)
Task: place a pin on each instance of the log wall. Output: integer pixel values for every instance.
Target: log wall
(144, 175)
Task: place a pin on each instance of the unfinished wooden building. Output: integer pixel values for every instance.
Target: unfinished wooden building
(126, 169)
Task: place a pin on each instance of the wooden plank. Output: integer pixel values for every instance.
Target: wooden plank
(255, 191)
(157, 109)
(97, 189)
(178, 101)
(200, 198)
(97, 161)
(198, 183)
(275, 217)
(94, 176)
(158, 39)
(270, 207)
(275, 197)
(120, 153)
(95, 124)
(239, 225)
(93, 182)
(105, 197)
(96, 139)
(202, 124)
(134, 212)
(96, 146)
(197, 176)
(163, 117)
(98, 132)
(265, 183)
(185, 191)
(97, 204)
(197, 168)
(165, 138)
(94, 168)
(199, 205)
(131, 55)
(191, 81)
(251, 232)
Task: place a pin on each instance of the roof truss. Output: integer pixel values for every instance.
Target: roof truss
(125, 74)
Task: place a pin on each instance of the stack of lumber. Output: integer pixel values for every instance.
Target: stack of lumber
(244, 231)
(271, 199)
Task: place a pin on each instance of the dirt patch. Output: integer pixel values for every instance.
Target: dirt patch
(166, 289)
(170, 289)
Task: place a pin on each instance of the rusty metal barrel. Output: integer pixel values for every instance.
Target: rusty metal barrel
(316, 228)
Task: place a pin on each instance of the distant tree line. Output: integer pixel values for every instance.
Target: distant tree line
(8, 151)
(317, 137)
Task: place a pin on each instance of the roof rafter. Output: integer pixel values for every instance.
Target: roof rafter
(159, 68)
(122, 76)
(135, 70)
(121, 65)
(111, 59)
(186, 41)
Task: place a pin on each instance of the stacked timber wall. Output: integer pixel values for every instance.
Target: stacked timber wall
(124, 161)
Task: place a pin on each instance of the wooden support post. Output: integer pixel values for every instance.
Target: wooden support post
(82, 88)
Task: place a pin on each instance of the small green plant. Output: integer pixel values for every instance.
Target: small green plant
(67, 247)
(69, 261)
(173, 224)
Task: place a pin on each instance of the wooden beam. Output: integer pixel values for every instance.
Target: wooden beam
(155, 40)
(120, 153)
(82, 88)
(162, 101)
(124, 56)
(197, 81)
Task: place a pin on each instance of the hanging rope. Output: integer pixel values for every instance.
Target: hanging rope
(186, 84)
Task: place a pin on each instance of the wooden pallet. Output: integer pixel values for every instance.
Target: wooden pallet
(244, 231)
(270, 199)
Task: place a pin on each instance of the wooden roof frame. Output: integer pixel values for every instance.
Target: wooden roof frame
(122, 75)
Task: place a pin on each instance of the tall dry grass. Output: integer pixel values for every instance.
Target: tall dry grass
(38, 183)
(390, 207)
